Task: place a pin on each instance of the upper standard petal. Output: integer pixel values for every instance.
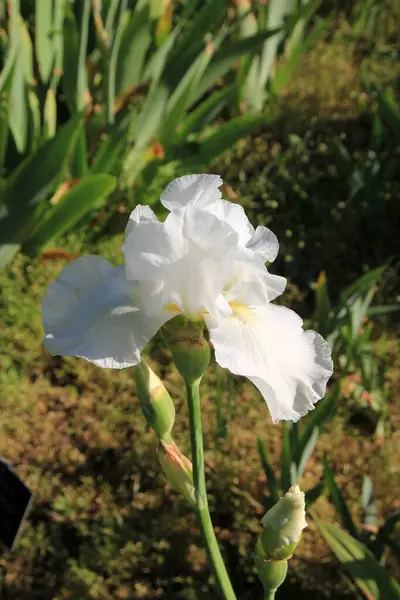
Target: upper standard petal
(191, 255)
(140, 214)
(191, 188)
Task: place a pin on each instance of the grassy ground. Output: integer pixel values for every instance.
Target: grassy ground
(104, 523)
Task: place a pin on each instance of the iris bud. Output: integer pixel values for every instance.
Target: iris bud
(282, 526)
(157, 406)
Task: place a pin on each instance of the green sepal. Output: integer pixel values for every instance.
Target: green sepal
(188, 346)
(271, 573)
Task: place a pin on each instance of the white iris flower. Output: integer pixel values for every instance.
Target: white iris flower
(205, 260)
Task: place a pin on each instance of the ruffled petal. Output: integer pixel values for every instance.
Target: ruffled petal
(190, 188)
(252, 284)
(190, 256)
(230, 213)
(93, 311)
(264, 243)
(268, 345)
(140, 214)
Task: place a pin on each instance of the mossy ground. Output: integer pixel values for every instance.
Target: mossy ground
(104, 524)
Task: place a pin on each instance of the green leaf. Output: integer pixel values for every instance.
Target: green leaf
(70, 210)
(338, 500)
(225, 58)
(314, 493)
(135, 42)
(111, 149)
(43, 37)
(6, 77)
(296, 47)
(50, 115)
(371, 578)
(272, 483)
(112, 63)
(34, 121)
(323, 412)
(221, 138)
(389, 110)
(74, 79)
(58, 42)
(82, 81)
(389, 525)
(368, 506)
(206, 112)
(363, 284)
(19, 108)
(191, 41)
(179, 101)
(31, 183)
(307, 452)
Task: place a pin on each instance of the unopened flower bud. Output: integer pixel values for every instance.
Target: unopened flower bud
(188, 346)
(177, 469)
(157, 406)
(282, 526)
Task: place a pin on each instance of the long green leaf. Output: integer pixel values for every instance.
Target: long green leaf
(112, 67)
(206, 112)
(135, 42)
(32, 182)
(338, 500)
(19, 109)
(50, 114)
(371, 578)
(82, 86)
(323, 412)
(58, 42)
(227, 56)
(70, 58)
(307, 452)
(111, 149)
(191, 41)
(71, 208)
(43, 37)
(314, 493)
(272, 483)
(179, 101)
(363, 284)
(220, 138)
(6, 77)
(389, 110)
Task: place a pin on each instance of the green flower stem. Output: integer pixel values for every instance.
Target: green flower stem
(202, 510)
(269, 595)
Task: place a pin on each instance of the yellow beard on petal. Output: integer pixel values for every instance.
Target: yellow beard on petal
(173, 308)
(242, 312)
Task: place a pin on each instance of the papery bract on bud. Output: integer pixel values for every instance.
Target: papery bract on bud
(178, 470)
(205, 262)
(282, 526)
(155, 401)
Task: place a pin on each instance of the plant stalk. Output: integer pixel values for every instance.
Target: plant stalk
(269, 594)
(199, 481)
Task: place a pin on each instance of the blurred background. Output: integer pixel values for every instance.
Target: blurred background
(295, 104)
